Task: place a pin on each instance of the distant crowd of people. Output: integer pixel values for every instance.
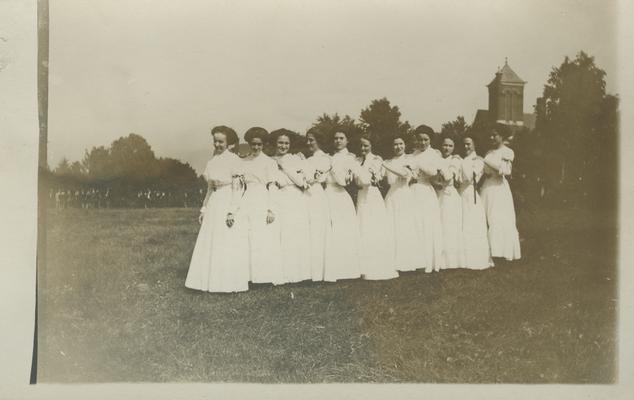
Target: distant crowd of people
(62, 198)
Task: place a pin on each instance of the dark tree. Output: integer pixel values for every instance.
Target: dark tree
(577, 132)
(382, 121)
(331, 124)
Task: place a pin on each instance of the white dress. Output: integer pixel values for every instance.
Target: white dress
(498, 204)
(292, 206)
(376, 241)
(450, 204)
(264, 239)
(342, 236)
(475, 242)
(316, 170)
(400, 207)
(220, 261)
(429, 224)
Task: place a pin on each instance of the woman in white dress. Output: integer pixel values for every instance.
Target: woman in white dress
(450, 206)
(317, 168)
(264, 234)
(477, 254)
(400, 207)
(498, 200)
(220, 260)
(426, 162)
(342, 237)
(292, 206)
(376, 241)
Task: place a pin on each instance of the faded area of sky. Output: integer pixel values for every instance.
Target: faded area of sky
(170, 70)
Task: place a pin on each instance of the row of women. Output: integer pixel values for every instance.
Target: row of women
(288, 218)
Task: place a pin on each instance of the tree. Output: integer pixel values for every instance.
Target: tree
(328, 125)
(576, 129)
(132, 159)
(457, 128)
(382, 121)
(98, 164)
(174, 175)
(63, 168)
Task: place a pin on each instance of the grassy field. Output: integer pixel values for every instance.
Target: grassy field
(115, 309)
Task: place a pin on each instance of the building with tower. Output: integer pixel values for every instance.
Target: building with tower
(506, 102)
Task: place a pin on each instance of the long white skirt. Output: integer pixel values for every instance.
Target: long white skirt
(265, 253)
(342, 237)
(400, 207)
(220, 261)
(294, 233)
(376, 244)
(500, 213)
(429, 226)
(475, 242)
(450, 204)
(319, 217)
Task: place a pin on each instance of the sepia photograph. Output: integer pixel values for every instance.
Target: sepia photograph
(294, 192)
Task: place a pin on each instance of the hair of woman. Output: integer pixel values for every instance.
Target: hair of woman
(319, 136)
(256, 133)
(274, 135)
(232, 136)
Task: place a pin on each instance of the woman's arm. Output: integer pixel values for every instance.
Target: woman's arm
(399, 170)
(294, 173)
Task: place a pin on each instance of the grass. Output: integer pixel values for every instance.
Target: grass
(115, 309)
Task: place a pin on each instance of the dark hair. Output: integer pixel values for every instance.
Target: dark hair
(401, 136)
(256, 133)
(319, 136)
(424, 129)
(283, 132)
(501, 129)
(232, 136)
(365, 136)
(347, 134)
(448, 136)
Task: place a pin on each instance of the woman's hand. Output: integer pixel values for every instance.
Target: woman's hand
(270, 217)
(349, 177)
(200, 218)
(230, 220)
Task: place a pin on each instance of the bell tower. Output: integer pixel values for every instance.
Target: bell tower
(506, 97)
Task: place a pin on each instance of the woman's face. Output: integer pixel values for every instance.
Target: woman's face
(447, 147)
(256, 146)
(366, 147)
(496, 138)
(313, 146)
(421, 141)
(469, 146)
(283, 145)
(220, 142)
(341, 141)
(398, 147)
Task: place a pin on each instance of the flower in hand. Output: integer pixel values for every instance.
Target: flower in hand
(270, 217)
(230, 220)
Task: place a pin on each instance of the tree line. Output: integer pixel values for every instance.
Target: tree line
(570, 158)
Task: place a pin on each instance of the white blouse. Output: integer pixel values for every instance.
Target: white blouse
(399, 169)
(426, 164)
(222, 170)
(369, 166)
(290, 171)
(471, 169)
(499, 161)
(317, 167)
(343, 163)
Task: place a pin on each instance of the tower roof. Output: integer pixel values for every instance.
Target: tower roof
(507, 75)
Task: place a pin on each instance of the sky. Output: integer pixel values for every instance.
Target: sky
(170, 71)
